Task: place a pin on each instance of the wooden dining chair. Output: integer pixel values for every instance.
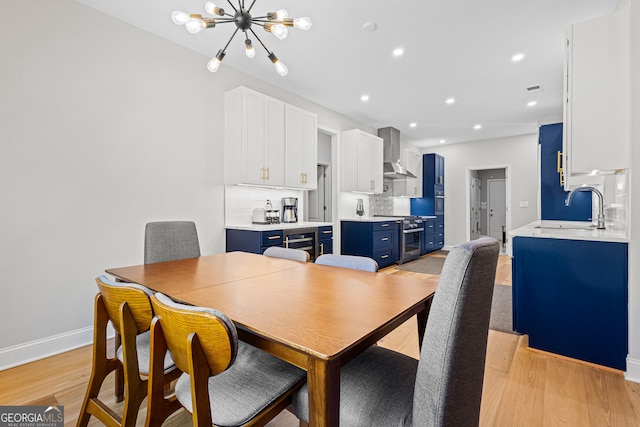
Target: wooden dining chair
(287, 253)
(225, 382)
(348, 261)
(170, 240)
(383, 388)
(128, 307)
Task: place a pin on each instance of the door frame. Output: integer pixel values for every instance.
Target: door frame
(478, 204)
(507, 178)
(335, 182)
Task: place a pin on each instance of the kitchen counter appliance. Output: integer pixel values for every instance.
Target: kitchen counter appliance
(289, 209)
(266, 215)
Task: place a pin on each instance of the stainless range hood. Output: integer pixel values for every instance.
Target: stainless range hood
(393, 168)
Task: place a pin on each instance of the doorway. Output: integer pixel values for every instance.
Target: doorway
(320, 205)
(488, 201)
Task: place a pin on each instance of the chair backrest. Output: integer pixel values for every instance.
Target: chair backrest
(170, 240)
(448, 388)
(348, 261)
(187, 329)
(287, 253)
(114, 294)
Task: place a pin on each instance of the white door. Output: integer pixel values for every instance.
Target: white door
(475, 208)
(497, 206)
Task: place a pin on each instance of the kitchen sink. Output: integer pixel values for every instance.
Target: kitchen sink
(566, 227)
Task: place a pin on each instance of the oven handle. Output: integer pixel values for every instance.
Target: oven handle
(413, 230)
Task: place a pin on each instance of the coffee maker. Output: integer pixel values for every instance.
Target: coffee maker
(289, 209)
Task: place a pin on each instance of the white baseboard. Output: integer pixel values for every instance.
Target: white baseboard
(45, 347)
(633, 370)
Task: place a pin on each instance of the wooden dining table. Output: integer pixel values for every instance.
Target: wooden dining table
(313, 316)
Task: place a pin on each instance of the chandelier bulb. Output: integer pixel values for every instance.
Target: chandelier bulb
(280, 67)
(195, 25)
(180, 18)
(303, 23)
(215, 62)
(249, 50)
(278, 30)
(282, 15)
(212, 9)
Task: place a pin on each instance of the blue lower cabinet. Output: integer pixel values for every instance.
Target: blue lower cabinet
(253, 241)
(325, 240)
(377, 240)
(429, 236)
(439, 243)
(570, 297)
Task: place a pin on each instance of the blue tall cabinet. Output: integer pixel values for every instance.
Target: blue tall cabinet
(552, 194)
(431, 204)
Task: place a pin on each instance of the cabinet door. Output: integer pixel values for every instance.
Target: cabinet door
(253, 138)
(349, 151)
(597, 95)
(301, 152)
(365, 181)
(274, 146)
(376, 167)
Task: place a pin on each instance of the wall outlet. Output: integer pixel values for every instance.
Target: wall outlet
(524, 204)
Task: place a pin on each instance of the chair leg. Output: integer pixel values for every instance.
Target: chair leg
(102, 366)
(136, 387)
(200, 373)
(159, 408)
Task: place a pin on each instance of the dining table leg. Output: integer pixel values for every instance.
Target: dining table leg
(422, 317)
(323, 377)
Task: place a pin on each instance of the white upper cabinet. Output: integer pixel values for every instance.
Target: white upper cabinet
(301, 148)
(268, 142)
(596, 113)
(361, 162)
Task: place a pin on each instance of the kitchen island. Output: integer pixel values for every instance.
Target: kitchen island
(570, 290)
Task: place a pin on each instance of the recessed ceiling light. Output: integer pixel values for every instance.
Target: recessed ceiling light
(413, 124)
(476, 127)
(398, 52)
(364, 98)
(518, 57)
(532, 103)
(450, 100)
(442, 141)
(369, 26)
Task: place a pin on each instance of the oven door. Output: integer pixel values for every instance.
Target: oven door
(411, 244)
(438, 203)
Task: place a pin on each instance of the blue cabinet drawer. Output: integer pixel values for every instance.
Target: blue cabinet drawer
(429, 226)
(382, 239)
(325, 232)
(383, 226)
(272, 238)
(383, 257)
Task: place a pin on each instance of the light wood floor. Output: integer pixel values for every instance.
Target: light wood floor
(522, 387)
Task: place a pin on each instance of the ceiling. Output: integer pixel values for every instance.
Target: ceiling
(459, 49)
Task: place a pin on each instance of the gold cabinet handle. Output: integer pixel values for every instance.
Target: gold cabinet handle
(274, 237)
(560, 168)
(268, 174)
(262, 174)
(384, 256)
(321, 248)
(384, 239)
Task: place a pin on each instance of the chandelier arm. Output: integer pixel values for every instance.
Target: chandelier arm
(258, 38)
(232, 36)
(252, 3)
(232, 6)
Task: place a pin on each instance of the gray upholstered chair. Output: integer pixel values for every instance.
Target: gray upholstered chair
(287, 253)
(170, 240)
(233, 383)
(383, 388)
(348, 261)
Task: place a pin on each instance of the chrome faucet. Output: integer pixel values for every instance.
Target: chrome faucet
(567, 202)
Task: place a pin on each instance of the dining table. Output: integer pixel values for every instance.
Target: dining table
(313, 316)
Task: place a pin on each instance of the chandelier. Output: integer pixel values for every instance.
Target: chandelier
(276, 23)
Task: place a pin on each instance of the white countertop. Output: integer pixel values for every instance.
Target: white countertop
(572, 230)
(281, 226)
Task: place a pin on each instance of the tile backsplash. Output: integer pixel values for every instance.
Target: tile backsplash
(240, 201)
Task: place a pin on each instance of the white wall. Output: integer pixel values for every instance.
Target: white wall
(633, 361)
(104, 128)
(518, 153)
